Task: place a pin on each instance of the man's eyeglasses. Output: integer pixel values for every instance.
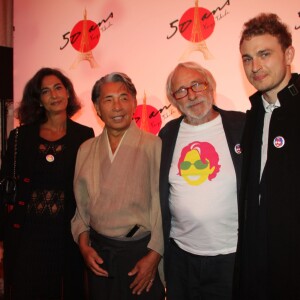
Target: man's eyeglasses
(197, 87)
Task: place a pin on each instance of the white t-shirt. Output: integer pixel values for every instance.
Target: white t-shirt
(203, 192)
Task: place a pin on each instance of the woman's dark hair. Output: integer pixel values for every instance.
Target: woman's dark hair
(30, 110)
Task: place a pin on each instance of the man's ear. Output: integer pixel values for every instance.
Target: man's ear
(97, 109)
(289, 55)
(135, 105)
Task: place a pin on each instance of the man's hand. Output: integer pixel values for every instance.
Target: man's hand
(145, 271)
(93, 260)
(91, 257)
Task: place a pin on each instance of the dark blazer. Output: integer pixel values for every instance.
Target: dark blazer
(27, 151)
(233, 123)
(278, 212)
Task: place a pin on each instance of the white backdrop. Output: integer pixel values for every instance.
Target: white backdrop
(143, 39)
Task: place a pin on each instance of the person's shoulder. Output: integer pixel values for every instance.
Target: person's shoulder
(172, 124)
(78, 125)
(295, 79)
(151, 137)
(232, 113)
(26, 129)
(87, 144)
(87, 148)
(85, 154)
(80, 130)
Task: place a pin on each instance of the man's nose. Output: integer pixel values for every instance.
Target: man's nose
(117, 105)
(191, 94)
(256, 65)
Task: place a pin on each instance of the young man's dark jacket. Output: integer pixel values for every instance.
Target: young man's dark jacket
(268, 256)
(233, 123)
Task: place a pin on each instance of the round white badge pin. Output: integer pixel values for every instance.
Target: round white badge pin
(279, 142)
(49, 158)
(238, 149)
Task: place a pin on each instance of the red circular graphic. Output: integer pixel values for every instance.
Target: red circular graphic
(204, 25)
(153, 121)
(85, 36)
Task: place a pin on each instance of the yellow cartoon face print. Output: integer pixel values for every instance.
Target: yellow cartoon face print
(198, 162)
(193, 170)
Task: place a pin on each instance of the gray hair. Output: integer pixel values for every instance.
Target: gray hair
(113, 77)
(192, 66)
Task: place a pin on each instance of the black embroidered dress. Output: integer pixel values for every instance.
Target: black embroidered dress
(36, 230)
(40, 260)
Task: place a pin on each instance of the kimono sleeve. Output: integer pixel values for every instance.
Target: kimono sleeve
(81, 220)
(156, 242)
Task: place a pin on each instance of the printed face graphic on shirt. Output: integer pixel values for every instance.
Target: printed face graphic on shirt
(198, 162)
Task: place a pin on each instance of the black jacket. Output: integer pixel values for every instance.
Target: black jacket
(269, 242)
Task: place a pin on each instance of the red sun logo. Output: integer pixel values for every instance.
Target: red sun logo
(152, 122)
(85, 36)
(197, 24)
